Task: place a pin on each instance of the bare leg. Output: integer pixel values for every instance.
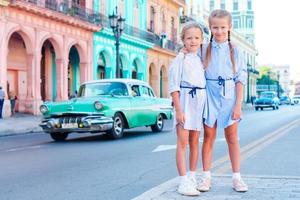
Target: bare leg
(182, 141)
(233, 146)
(207, 147)
(194, 149)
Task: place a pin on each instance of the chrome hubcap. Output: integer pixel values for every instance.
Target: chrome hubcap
(118, 125)
(160, 121)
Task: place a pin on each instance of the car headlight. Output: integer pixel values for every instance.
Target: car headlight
(98, 105)
(44, 109)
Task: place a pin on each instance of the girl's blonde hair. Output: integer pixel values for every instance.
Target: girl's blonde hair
(188, 25)
(220, 13)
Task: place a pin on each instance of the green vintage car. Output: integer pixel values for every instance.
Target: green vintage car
(106, 106)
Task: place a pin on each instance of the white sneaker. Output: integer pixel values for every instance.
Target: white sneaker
(204, 185)
(193, 181)
(239, 185)
(187, 188)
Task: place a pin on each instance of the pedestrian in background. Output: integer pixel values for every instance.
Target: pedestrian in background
(187, 88)
(12, 98)
(2, 97)
(226, 73)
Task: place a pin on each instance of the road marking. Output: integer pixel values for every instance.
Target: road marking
(246, 152)
(23, 148)
(223, 164)
(173, 146)
(164, 148)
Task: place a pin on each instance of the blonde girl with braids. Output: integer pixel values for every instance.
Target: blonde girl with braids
(187, 88)
(225, 71)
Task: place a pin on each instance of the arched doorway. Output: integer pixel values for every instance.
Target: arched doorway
(163, 81)
(152, 77)
(73, 72)
(134, 73)
(17, 69)
(101, 66)
(48, 72)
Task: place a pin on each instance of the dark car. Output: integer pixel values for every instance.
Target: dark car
(267, 100)
(285, 100)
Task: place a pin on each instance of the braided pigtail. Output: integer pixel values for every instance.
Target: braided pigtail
(231, 54)
(208, 53)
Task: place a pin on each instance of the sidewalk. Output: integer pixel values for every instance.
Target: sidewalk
(260, 188)
(20, 124)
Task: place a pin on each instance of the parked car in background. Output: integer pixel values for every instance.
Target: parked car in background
(296, 99)
(108, 106)
(285, 100)
(267, 99)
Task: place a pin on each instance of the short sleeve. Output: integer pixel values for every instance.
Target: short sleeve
(175, 71)
(241, 67)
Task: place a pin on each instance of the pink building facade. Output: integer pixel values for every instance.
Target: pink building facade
(39, 41)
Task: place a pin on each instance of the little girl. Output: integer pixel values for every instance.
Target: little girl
(225, 76)
(187, 88)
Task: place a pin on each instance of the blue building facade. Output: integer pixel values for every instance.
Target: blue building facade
(134, 41)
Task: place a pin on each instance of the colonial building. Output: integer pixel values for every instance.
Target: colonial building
(242, 15)
(45, 49)
(163, 22)
(282, 73)
(134, 41)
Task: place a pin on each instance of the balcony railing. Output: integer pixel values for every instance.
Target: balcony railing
(66, 7)
(144, 35)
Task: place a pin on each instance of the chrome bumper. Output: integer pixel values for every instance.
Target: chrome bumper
(77, 124)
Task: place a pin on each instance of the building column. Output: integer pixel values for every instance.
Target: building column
(59, 79)
(65, 79)
(3, 69)
(83, 67)
(30, 83)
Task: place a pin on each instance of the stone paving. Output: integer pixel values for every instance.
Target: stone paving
(260, 188)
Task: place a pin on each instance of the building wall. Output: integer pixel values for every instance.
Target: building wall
(132, 48)
(160, 57)
(24, 29)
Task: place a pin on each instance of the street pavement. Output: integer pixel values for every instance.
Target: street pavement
(19, 124)
(260, 186)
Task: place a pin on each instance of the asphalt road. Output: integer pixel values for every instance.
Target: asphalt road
(92, 167)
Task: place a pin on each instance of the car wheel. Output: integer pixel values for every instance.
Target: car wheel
(118, 127)
(159, 125)
(59, 136)
(261, 108)
(256, 108)
(274, 107)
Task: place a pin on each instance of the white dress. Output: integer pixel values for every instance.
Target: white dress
(186, 75)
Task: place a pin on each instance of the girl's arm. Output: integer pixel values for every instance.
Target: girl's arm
(237, 111)
(179, 115)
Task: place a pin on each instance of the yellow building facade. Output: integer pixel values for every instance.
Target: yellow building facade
(163, 22)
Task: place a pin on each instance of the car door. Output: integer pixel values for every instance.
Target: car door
(148, 114)
(137, 107)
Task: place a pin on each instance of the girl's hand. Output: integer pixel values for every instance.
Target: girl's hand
(237, 112)
(180, 119)
(184, 51)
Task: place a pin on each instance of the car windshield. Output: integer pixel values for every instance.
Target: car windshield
(267, 95)
(103, 88)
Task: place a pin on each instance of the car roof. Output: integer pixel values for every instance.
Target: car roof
(119, 80)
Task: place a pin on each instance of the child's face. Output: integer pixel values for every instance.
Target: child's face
(219, 27)
(192, 39)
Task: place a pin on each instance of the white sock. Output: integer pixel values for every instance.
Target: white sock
(207, 174)
(183, 178)
(236, 175)
(192, 174)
